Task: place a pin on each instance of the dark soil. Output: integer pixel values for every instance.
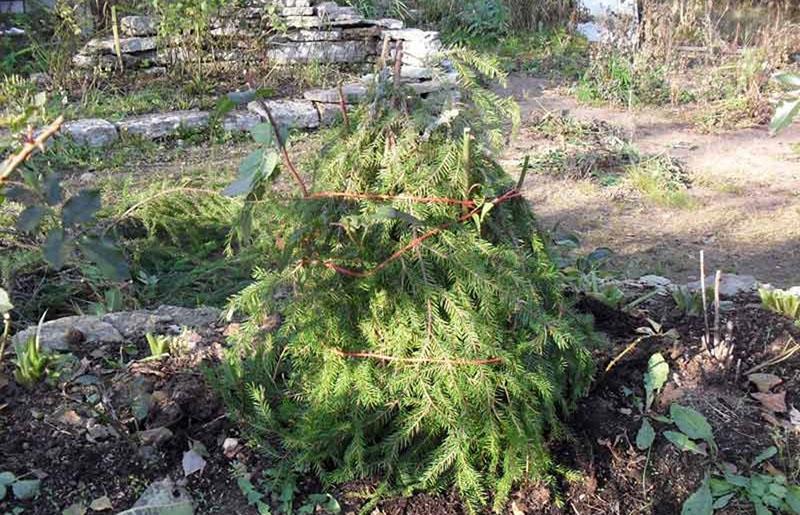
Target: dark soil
(46, 436)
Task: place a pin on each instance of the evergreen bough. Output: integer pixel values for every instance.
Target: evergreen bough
(424, 340)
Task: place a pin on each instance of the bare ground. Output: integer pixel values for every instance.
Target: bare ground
(745, 191)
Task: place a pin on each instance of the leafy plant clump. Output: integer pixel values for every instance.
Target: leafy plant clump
(425, 338)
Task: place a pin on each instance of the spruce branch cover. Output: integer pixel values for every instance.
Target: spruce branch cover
(424, 338)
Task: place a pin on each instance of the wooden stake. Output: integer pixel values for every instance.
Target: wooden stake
(717, 280)
(115, 30)
(707, 336)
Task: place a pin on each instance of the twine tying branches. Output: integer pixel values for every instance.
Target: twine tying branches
(513, 193)
(441, 361)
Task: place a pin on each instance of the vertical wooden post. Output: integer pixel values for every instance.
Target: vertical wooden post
(115, 29)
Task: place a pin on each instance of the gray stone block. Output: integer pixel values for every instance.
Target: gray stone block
(159, 125)
(353, 93)
(292, 114)
(137, 26)
(92, 132)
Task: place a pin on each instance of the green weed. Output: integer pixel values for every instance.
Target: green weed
(159, 345)
(660, 179)
(621, 79)
(781, 302)
(31, 362)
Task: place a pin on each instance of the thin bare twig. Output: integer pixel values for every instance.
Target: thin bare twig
(717, 280)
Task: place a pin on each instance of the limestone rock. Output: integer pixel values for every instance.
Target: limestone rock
(70, 333)
(159, 125)
(92, 132)
(321, 51)
(137, 26)
(390, 23)
(730, 285)
(240, 121)
(128, 45)
(292, 114)
(353, 93)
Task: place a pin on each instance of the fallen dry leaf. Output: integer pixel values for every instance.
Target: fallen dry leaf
(192, 462)
(774, 402)
(515, 509)
(764, 382)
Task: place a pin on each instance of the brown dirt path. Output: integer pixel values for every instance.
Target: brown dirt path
(745, 189)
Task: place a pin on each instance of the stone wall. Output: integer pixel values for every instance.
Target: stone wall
(281, 31)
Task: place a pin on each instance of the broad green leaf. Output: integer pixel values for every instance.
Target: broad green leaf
(108, 258)
(51, 189)
(765, 455)
(793, 498)
(661, 418)
(25, 489)
(30, 218)
(737, 480)
(263, 134)
(655, 378)
(692, 423)
(645, 436)
(723, 501)
(760, 509)
(784, 114)
(54, 248)
(258, 165)
(720, 486)
(599, 255)
(682, 442)
(2, 492)
(791, 80)
(5, 307)
(80, 208)
(6, 478)
(700, 502)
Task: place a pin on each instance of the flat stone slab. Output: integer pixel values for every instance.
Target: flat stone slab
(91, 132)
(240, 121)
(159, 125)
(321, 51)
(292, 114)
(75, 332)
(137, 26)
(353, 94)
(129, 45)
(70, 333)
(730, 285)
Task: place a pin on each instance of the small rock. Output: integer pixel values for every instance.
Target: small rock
(87, 177)
(353, 93)
(101, 504)
(764, 382)
(654, 281)
(97, 432)
(154, 437)
(291, 114)
(230, 447)
(730, 285)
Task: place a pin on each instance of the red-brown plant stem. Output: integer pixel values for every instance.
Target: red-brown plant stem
(416, 241)
(443, 361)
(375, 196)
(282, 146)
(343, 107)
(10, 164)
